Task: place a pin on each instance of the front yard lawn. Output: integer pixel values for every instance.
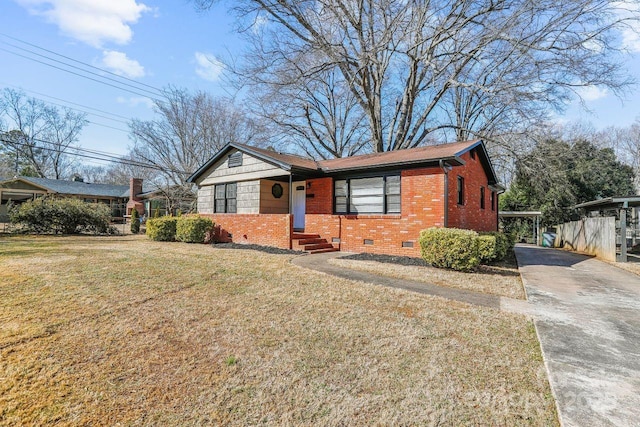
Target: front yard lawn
(502, 279)
(122, 330)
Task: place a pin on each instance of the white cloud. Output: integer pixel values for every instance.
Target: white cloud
(94, 22)
(119, 63)
(208, 67)
(592, 93)
(630, 34)
(259, 23)
(134, 101)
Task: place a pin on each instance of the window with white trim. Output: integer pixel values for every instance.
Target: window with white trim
(225, 198)
(370, 195)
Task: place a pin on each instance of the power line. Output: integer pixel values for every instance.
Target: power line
(68, 102)
(93, 154)
(84, 76)
(82, 111)
(80, 62)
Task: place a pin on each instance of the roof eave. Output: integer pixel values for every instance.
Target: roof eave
(453, 160)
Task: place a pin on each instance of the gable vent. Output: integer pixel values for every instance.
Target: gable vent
(235, 160)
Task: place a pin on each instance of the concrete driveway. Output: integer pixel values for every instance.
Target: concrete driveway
(588, 321)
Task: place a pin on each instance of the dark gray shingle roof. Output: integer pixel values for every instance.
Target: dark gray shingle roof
(80, 188)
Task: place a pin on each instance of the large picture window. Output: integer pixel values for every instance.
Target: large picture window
(371, 195)
(225, 198)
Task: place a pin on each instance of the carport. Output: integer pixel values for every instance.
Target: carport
(533, 215)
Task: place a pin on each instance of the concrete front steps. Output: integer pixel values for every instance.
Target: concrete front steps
(311, 243)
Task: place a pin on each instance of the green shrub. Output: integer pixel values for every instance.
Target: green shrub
(135, 221)
(487, 248)
(450, 248)
(193, 228)
(501, 244)
(162, 229)
(60, 215)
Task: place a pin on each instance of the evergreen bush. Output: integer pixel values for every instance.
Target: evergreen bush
(450, 248)
(135, 221)
(193, 228)
(49, 214)
(487, 248)
(162, 229)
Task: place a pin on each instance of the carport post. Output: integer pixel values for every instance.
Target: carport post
(623, 233)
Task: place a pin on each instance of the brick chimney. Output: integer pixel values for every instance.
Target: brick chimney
(135, 188)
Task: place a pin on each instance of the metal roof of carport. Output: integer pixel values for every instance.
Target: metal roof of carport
(519, 214)
(610, 202)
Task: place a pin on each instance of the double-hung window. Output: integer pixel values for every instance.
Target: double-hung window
(371, 195)
(225, 198)
(460, 190)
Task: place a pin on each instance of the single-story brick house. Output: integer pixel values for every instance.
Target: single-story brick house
(120, 198)
(370, 203)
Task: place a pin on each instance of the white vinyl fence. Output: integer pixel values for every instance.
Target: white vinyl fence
(593, 236)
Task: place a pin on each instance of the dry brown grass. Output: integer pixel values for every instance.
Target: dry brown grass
(121, 330)
(502, 279)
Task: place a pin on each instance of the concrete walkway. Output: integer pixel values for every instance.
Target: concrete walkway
(587, 316)
(588, 321)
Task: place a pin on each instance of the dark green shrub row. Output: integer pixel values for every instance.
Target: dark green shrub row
(188, 228)
(462, 250)
(59, 215)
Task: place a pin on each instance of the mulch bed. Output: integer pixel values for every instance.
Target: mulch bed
(267, 249)
(389, 259)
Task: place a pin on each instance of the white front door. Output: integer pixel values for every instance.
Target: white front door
(299, 199)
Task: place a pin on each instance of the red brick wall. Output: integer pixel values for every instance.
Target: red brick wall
(470, 215)
(319, 196)
(260, 229)
(422, 207)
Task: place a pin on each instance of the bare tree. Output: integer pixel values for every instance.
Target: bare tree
(422, 68)
(39, 134)
(317, 113)
(189, 130)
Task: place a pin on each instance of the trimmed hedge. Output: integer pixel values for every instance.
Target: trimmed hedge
(162, 229)
(500, 244)
(462, 250)
(193, 228)
(450, 248)
(50, 214)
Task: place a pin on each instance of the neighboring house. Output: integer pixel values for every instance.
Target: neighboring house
(371, 203)
(117, 197)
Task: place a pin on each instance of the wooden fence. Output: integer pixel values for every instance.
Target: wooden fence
(593, 236)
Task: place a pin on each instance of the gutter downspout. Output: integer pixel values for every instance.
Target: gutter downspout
(445, 169)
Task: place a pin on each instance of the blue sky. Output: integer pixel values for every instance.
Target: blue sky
(159, 43)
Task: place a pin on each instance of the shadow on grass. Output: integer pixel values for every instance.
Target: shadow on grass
(505, 267)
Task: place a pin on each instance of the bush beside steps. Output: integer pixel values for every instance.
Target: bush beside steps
(186, 228)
